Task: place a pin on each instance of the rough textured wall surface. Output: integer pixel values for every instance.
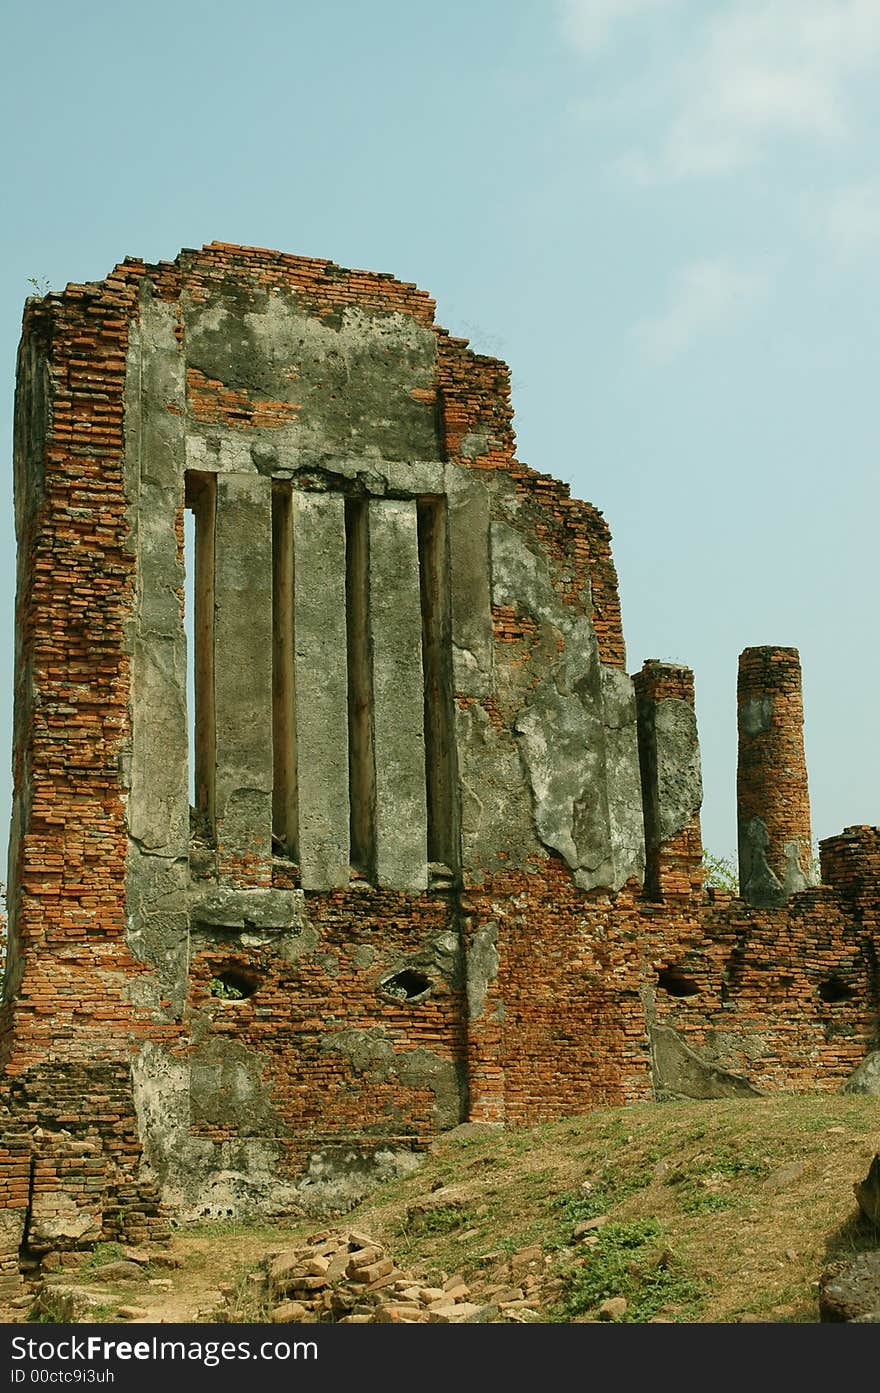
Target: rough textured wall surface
(443, 855)
(773, 805)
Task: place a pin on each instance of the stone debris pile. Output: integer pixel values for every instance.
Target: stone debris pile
(347, 1277)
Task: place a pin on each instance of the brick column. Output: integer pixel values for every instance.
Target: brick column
(773, 803)
(672, 789)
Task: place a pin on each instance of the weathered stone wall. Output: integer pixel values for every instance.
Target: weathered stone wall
(445, 855)
(672, 783)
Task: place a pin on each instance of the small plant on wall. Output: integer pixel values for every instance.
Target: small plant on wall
(232, 985)
(227, 991)
(720, 872)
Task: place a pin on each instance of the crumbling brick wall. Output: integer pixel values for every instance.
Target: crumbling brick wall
(444, 855)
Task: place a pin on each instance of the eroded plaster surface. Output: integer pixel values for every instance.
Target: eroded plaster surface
(577, 729)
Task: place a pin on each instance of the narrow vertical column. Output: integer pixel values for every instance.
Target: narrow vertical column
(470, 600)
(773, 803)
(362, 772)
(472, 646)
(398, 696)
(243, 677)
(321, 684)
(285, 807)
(485, 1018)
(158, 805)
(201, 498)
(672, 787)
(440, 764)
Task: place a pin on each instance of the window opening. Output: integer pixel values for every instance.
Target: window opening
(233, 984)
(437, 666)
(362, 776)
(199, 519)
(674, 981)
(285, 794)
(407, 985)
(834, 988)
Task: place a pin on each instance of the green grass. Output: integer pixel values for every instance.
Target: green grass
(631, 1260)
(444, 1219)
(703, 1186)
(694, 1232)
(103, 1253)
(693, 1201)
(574, 1207)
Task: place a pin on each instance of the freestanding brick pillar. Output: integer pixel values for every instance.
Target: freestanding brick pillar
(672, 786)
(773, 803)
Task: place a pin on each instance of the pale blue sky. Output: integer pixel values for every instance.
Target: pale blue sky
(664, 214)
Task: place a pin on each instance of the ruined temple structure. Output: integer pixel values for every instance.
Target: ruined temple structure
(417, 849)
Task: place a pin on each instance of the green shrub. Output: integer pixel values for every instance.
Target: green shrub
(629, 1261)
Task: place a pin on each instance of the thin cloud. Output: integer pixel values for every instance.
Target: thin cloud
(851, 223)
(760, 71)
(588, 24)
(706, 297)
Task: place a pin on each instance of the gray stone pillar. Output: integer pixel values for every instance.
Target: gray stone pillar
(158, 812)
(469, 583)
(243, 677)
(321, 685)
(158, 801)
(398, 696)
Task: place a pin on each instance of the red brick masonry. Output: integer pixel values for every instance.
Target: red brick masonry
(785, 997)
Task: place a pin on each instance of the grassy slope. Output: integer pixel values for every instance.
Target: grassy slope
(717, 1210)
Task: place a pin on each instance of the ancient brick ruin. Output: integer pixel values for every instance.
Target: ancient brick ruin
(442, 859)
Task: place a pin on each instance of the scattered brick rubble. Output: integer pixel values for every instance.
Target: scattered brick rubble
(344, 1276)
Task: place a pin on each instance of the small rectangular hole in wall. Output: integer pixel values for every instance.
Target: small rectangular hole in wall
(285, 800)
(362, 779)
(440, 767)
(201, 506)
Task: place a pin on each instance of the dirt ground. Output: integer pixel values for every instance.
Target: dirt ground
(693, 1212)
